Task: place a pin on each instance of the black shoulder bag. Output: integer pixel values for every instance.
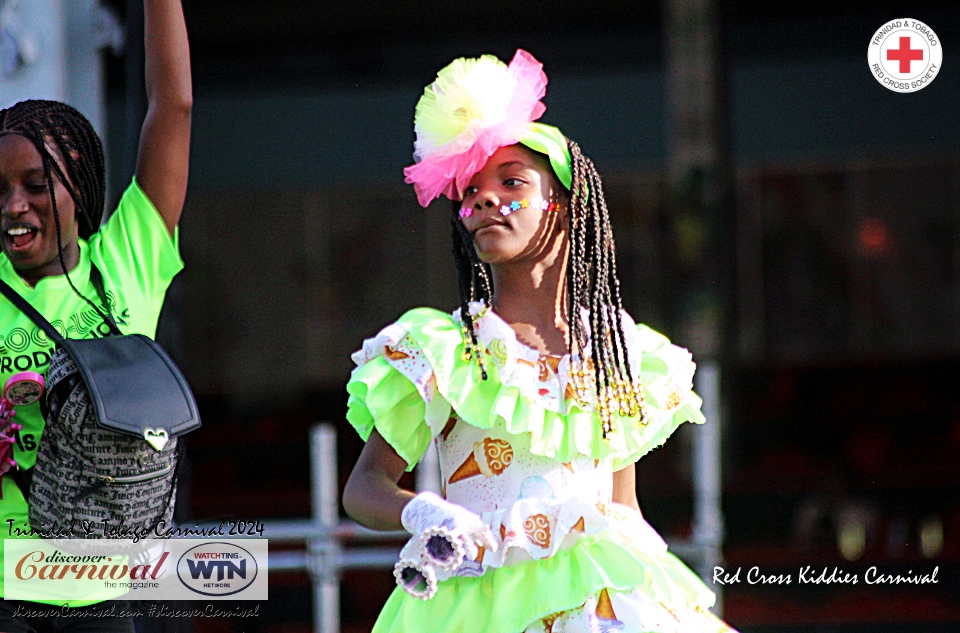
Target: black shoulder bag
(108, 455)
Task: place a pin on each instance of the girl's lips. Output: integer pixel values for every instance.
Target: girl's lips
(490, 225)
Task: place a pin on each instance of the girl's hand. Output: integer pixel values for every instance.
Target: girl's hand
(413, 575)
(448, 532)
(164, 154)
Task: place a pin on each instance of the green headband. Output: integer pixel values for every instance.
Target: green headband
(548, 140)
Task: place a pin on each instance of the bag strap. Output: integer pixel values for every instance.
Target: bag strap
(42, 322)
(23, 477)
(31, 312)
(97, 280)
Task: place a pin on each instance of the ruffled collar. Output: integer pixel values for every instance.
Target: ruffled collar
(542, 377)
(423, 353)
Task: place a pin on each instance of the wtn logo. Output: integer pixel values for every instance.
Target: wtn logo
(217, 569)
(224, 569)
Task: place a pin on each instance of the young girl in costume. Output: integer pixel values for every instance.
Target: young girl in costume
(539, 392)
(52, 190)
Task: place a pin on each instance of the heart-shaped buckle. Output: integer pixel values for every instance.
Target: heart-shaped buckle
(157, 438)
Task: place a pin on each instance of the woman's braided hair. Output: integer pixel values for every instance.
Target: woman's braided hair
(592, 285)
(51, 125)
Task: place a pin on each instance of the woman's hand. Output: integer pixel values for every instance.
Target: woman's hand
(164, 154)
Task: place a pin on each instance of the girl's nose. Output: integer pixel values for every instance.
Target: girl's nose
(486, 199)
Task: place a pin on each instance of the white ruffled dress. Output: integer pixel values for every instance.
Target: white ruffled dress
(528, 457)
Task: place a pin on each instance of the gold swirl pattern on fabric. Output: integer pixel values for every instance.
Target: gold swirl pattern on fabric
(489, 458)
(498, 453)
(537, 528)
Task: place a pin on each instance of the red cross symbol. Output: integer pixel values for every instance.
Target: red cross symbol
(905, 54)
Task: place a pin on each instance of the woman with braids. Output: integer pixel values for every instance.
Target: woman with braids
(539, 392)
(52, 184)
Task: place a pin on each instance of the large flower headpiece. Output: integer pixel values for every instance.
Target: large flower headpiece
(473, 108)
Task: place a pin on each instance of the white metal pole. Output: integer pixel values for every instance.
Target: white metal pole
(707, 514)
(325, 552)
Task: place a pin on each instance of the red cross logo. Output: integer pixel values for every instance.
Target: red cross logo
(905, 54)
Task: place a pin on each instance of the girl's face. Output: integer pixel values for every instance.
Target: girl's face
(29, 233)
(515, 174)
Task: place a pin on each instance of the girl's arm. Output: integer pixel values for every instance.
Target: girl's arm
(372, 497)
(625, 487)
(164, 154)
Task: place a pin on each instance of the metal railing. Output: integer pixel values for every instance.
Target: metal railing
(325, 556)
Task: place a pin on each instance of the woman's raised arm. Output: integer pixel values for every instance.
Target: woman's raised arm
(164, 155)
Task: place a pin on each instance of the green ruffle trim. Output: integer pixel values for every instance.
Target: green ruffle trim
(381, 397)
(509, 599)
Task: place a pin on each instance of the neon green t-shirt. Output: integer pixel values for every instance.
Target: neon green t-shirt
(138, 259)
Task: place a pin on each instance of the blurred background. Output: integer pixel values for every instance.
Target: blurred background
(777, 210)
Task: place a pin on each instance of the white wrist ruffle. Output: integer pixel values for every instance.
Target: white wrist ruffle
(413, 574)
(440, 547)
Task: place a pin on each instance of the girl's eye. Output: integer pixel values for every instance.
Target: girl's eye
(469, 191)
(36, 187)
(512, 182)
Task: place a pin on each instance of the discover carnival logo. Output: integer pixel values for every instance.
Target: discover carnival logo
(41, 570)
(905, 55)
(217, 569)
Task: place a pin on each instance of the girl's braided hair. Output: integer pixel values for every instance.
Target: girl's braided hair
(51, 125)
(592, 284)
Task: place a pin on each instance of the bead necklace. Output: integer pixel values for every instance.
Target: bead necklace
(621, 396)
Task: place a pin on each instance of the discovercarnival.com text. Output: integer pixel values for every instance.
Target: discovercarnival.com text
(149, 610)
